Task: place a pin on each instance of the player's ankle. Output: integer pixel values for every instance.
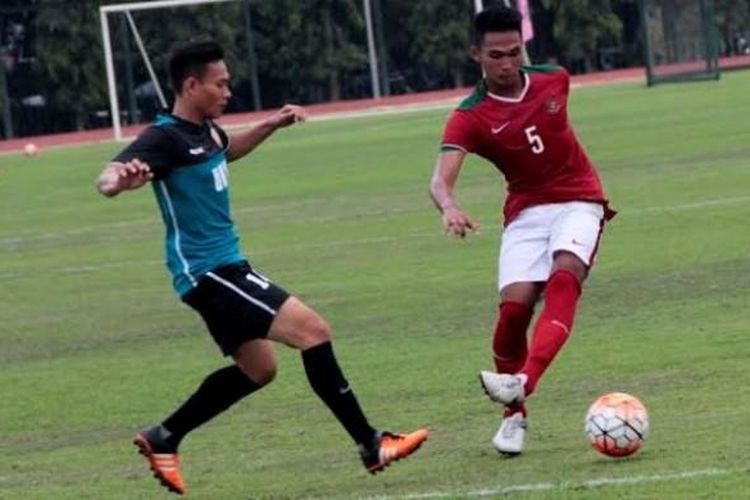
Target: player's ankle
(161, 439)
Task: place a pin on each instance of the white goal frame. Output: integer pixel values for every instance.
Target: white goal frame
(127, 8)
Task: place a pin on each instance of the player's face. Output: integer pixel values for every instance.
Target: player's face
(500, 55)
(212, 92)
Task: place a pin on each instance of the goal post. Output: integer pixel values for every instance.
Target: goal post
(127, 8)
(680, 40)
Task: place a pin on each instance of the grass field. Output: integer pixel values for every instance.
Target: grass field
(94, 345)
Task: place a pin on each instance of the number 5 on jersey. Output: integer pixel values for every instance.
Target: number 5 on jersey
(537, 146)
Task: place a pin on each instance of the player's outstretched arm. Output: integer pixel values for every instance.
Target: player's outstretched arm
(447, 168)
(118, 177)
(243, 142)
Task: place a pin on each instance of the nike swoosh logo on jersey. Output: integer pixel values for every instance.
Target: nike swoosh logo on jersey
(497, 130)
(196, 151)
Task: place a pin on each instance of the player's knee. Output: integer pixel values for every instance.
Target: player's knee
(564, 281)
(262, 373)
(568, 261)
(265, 375)
(315, 331)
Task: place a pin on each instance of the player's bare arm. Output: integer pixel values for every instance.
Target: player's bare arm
(118, 177)
(447, 168)
(243, 142)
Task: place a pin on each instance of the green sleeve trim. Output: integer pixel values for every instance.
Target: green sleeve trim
(474, 98)
(542, 68)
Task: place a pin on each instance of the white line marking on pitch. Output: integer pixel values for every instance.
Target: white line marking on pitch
(14, 240)
(737, 200)
(590, 483)
(269, 251)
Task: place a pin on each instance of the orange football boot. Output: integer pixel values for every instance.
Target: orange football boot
(390, 448)
(165, 466)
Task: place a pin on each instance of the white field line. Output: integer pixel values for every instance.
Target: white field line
(392, 109)
(12, 241)
(590, 483)
(736, 200)
(155, 221)
(270, 251)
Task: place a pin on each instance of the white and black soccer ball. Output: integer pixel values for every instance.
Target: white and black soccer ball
(617, 424)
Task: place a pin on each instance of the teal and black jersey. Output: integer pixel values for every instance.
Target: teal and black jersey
(191, 182)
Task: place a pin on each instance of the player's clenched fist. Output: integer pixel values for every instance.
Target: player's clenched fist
(119, 177)
(289, 114)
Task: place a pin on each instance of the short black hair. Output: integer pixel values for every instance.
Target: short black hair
(495, 18)
(190, 59)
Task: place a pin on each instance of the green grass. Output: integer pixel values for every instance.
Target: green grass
(94, 345)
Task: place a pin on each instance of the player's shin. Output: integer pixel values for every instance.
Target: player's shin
(554, 325)
(509, 345)
(219, 391)
(328, 382)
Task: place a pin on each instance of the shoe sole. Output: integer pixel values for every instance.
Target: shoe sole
(381, 466)
(509, 454)
(486, 391)
(493, 399)
(144, 448)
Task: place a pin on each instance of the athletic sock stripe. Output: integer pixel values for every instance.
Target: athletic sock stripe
(241, 293)
(561, 325)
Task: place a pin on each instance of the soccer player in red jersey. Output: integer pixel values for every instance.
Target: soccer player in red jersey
(555, 210)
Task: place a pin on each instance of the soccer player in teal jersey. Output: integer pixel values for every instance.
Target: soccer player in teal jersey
(184, 155)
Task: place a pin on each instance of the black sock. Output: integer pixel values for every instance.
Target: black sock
(329, 384)
(219, 391)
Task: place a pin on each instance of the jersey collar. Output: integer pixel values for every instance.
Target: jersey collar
(526, 85)
(166, 117)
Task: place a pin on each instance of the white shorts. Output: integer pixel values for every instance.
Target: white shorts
(532, 238)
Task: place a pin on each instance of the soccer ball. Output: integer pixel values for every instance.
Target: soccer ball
(30, 149)
(616, 424)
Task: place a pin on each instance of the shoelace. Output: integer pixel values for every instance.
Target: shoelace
(513, 425)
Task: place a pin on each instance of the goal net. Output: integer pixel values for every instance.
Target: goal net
(680, 40)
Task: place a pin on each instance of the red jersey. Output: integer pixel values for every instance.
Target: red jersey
(529, 139)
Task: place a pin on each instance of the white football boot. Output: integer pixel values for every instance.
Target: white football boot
(504, 388)
(510, 435)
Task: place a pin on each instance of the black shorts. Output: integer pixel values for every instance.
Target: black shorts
(237, 303)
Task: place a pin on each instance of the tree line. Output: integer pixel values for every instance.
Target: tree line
(293, 50)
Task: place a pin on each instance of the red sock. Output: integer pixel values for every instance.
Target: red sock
(553, 326)
(509, 345)
(515, 408)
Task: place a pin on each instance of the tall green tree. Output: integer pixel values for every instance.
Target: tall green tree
(69, 57)
(733, 21)
(307, 50)
(440, 36)
(583, 26)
